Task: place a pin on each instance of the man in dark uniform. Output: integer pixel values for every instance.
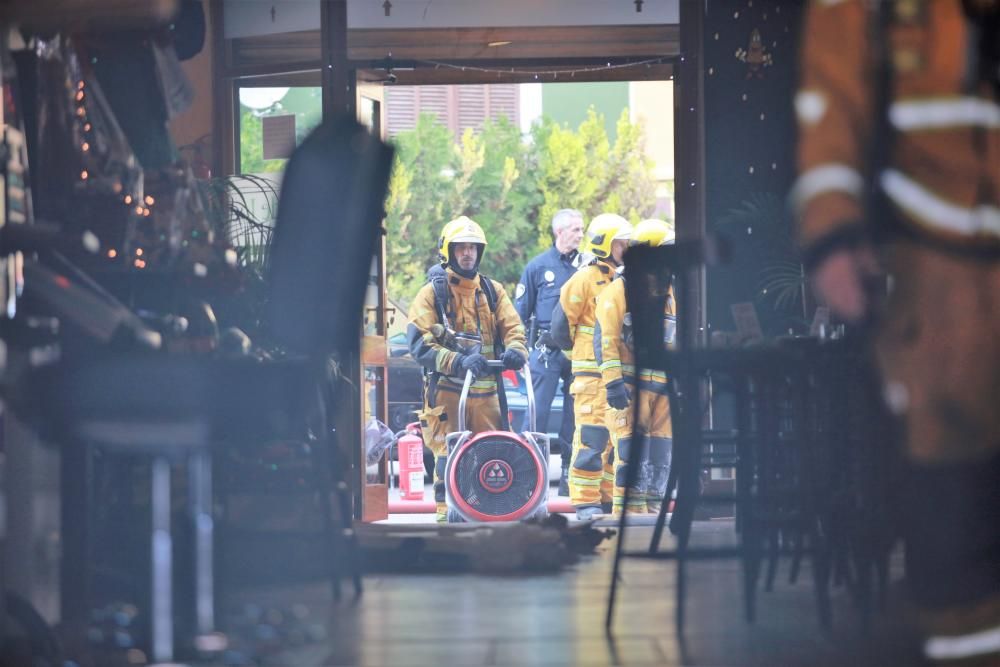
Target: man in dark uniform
(537, 294)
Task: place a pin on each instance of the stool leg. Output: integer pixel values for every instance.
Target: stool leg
(162, 548)
(200, 468)
(77, 518)
(774, 551)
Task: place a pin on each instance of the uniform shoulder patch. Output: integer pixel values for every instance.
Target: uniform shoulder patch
(810, 106)
(519, 292)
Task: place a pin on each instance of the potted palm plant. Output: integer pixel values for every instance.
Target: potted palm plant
(764, 230)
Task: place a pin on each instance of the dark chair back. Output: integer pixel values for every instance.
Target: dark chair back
(329, 220)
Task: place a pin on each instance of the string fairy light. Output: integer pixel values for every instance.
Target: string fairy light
(537, 73)
(81, 101)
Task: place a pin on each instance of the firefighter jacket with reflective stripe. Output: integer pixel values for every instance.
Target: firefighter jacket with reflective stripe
(613, 341)
(468, 312)
(941, 170)
(578, 299)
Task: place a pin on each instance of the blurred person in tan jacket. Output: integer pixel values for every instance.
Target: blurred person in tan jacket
(900, 143)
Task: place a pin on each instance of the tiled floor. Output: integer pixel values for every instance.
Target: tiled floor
(419, 620)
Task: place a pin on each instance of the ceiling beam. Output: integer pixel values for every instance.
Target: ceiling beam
(515, 43)
(538, 44)
(424, 76)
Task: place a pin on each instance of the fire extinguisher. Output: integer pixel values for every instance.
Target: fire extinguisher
(410, 450)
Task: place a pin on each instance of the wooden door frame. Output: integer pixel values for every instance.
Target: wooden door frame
(689, 157)
(347, 54)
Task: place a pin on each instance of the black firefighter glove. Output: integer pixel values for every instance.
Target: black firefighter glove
(618, 394)
(513, 360)
(472, 362)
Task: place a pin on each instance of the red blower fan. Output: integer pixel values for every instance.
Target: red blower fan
(496, 475)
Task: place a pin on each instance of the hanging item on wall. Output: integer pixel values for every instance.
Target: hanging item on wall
(755, 56)
(278, 136)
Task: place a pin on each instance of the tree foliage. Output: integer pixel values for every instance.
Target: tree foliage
(511, 185)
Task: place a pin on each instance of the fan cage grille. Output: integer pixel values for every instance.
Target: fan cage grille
(526, 476)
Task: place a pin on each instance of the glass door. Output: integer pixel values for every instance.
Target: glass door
(271, 120)
(285, 80)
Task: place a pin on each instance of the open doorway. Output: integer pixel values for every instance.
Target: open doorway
(509, 155)
(528, 71)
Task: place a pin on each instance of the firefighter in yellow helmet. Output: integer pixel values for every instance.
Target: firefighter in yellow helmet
(458, 321)
(927, 139)
(590, 475)
(652, 438)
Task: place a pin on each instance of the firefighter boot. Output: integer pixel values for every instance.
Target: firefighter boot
(660, 450)
(440, 505)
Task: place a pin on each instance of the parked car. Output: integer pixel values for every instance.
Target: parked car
(517, 406)
(406, 385)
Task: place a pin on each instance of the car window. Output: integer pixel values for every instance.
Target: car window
(397, 345)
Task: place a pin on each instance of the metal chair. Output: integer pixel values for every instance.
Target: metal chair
(790, 403)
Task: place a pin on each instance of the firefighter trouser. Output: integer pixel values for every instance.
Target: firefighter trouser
(441, 418)
(590, 474)
(654, 416)
(549, 367)
(939, 354)
(953, 558)
(650, 440)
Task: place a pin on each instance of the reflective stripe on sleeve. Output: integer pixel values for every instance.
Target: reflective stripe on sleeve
(974, 644)
(908, 115)
(930, 209)
(831, 177)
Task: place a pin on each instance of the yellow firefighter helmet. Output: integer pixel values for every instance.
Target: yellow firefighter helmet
(604, 229)
(461, 230)
(652, 232)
